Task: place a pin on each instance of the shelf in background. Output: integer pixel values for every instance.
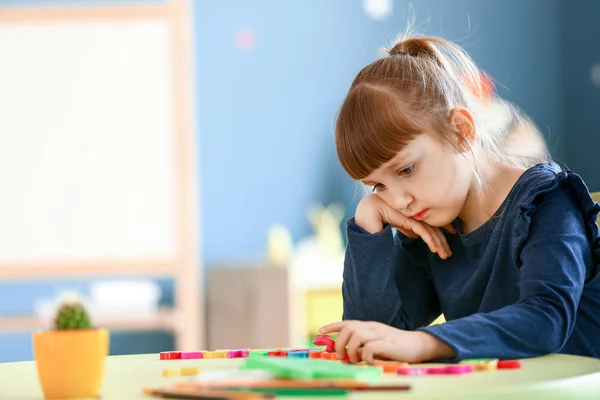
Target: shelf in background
(162, 320)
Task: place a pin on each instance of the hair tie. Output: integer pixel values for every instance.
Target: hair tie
(398, 53)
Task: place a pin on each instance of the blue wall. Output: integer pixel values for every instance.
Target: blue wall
(582, 51)
(266, 116)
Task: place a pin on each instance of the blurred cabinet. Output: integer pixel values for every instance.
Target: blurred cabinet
(260, 307)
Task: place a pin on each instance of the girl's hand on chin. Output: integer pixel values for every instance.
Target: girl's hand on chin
(373, 213)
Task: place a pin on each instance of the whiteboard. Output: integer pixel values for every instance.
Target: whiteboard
(87, 168)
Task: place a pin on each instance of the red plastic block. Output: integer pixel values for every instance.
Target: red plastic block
(509, 364)
(170, 355)
(324, 340)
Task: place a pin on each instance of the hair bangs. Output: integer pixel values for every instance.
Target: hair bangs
(371, 128)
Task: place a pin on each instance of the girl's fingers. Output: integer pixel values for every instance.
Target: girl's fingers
(332, 328)
(407, 232)
(371, 350)
(356, 342)
(342, 339)
(443, 243)
(427, 237)
(436, 239)
(432, 236)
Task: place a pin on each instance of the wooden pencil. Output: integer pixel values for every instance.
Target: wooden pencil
(206, 394)
(287, 384)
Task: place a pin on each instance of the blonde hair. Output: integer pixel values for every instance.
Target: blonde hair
(412, 91)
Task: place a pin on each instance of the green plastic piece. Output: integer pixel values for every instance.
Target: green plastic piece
(478, 360)
(301, 368)
(258, 353)
(302, 392)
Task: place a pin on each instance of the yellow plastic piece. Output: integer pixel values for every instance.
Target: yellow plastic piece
(187, 371)
(214, 354)
(482, 365)
(70, 363)
(486, 366)
(171, 372)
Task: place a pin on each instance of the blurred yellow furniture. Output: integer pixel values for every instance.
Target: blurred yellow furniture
(596, 198)
(323, 306)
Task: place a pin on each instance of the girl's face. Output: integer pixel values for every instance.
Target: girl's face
(429, 180)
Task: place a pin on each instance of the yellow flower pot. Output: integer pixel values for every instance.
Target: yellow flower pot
(70, 363)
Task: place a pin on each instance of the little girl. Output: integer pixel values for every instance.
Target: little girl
(504, 245)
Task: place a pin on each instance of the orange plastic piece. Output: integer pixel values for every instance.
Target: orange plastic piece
(315, 354)
(390, 367)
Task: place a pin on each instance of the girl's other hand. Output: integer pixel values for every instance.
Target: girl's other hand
(370, 341)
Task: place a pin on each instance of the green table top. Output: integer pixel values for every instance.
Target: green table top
(550, 377)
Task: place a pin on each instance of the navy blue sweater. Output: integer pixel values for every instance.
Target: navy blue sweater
(522, 285)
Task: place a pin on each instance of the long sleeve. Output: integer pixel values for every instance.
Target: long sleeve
(555, 259)
(387, 282)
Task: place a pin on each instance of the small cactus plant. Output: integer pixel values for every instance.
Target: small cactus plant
(72, 315)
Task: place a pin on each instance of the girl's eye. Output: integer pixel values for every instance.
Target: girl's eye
(378, 187)
(407, 171)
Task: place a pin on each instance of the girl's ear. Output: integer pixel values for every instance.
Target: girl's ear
(463, 123)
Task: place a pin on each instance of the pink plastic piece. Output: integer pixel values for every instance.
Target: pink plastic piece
(446, 370)
(233, 354)
(412, 371)
(244, 353)
(187, 355)
(239, 353)
(459, 369)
